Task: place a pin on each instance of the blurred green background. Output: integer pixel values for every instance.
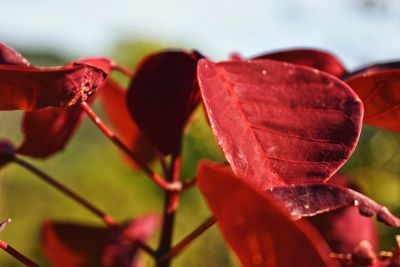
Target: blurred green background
(96, 170)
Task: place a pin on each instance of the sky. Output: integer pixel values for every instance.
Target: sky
(358, 31)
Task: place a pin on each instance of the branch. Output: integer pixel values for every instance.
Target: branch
(170, 206)
(122, 69)
(116, 141)
(178, 248)
(17, 255)
(59, 186)
(189, 183)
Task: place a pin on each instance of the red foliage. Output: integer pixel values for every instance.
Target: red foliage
(113, 100)
(313, 58)
(162, 95)
(68, 244)
(255, 226)
(379, 91)
(279, 123)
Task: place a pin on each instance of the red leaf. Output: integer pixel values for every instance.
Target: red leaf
(345, 228)
(105, 64)
(31, 88)
(313, 58)
(162, 95)
(11, 57)
(312, 199)
(257, 229)
(372, 69)
(279, 123)
(67, 244)
(113, 99)
(48, 130)
(380, 94)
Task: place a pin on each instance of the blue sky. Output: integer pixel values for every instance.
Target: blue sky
(215, 27)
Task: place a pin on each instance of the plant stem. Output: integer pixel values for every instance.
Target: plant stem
(170, 206)
(122, 69)
(59, 186)
(116, 141)
(107, 219)
(17, 255)
(178, 248)
(189, 183)
(163, 163)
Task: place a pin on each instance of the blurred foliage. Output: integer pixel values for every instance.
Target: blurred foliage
(92, 166)
(95, 169)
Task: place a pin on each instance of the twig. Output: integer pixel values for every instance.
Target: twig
(113, 138)
(189, 183)
(122, 69)
(170, 206)
(59, 186)
(178, 248)
(17, 255)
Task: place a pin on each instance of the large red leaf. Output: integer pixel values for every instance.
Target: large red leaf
(68, 244)
(257, 229)
(314, 58)
(31, 88)
(162, 95)
(11, 57)
(380, 93)
(279, 123)
(48, 130)
(113, 100)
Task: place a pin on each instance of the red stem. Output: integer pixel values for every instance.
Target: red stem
(170, 206)
(50, 180)
(17, 255)
(122, 69)
(178, 248)
(163, 163)
(107, 219)
(189, 183)
(113, 138)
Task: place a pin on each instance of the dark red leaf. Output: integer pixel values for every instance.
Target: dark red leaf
(312, 199)
(31, 88)
(380, 94)
(162, 95)
(113, 99)
(372, 69)
(105, 64)
(7, 152)
(257, 229)
(279, 123)
(9, 56)
(343, 229)
(68, 244)
(313, 58)
(48, 130)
